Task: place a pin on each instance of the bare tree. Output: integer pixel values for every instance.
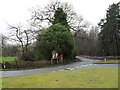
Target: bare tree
(24, 37)
(45, 17)
(3, 40)
(87, 42)
(93, 41)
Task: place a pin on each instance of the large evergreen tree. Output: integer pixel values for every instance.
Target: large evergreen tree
(110, 31)
(56, 37)
(60, 17)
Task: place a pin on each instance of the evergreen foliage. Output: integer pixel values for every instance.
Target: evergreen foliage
(56, 37)
(60, 17)
(110, 31)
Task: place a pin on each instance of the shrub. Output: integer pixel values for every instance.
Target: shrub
(28, 56)
(56, 37)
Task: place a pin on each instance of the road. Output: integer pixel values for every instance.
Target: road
(87, 63)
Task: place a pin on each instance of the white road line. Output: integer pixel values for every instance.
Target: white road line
(62, 70)
(54, 71)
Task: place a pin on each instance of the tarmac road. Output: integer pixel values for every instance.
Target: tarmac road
(87, 63)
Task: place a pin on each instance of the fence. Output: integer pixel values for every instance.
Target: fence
(26, 64)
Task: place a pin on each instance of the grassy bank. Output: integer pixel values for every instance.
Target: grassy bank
(8, 59)
(109, 62)
(84, 78)
(103, 57)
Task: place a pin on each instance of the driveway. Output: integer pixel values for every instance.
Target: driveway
(87, 63)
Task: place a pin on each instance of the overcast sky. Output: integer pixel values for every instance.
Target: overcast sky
(17, 11)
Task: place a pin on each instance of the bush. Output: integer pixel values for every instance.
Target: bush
(28, 56)
(56, 37)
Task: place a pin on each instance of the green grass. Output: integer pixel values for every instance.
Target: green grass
(109, 62)
(8, 59)
(84, 78)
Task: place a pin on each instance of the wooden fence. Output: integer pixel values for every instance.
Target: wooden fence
(26, 64)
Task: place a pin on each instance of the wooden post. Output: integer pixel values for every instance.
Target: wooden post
(57, 60)
(51, 61)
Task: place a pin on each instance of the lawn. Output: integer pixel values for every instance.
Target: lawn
(109, 62)
(84, 78)
(7, 58)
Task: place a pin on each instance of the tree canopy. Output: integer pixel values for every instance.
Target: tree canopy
(50, 12)
(110, 31)
(60, 17)
(56, 37)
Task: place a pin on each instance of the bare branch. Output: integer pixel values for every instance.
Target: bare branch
(47, 14)
(22, 36)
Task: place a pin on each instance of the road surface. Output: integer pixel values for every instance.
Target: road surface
(87, 63)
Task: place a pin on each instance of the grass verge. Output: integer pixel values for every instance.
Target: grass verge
(109, 62)
(84, 78)
(8, 59)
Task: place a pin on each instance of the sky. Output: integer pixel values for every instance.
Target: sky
(14, 12)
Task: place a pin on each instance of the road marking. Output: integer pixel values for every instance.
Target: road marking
(54, 71)
(62, 70)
